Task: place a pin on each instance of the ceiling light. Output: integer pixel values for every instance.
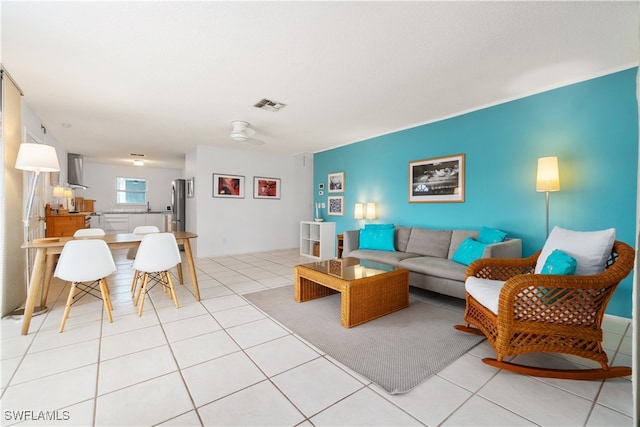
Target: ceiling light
(138, 163)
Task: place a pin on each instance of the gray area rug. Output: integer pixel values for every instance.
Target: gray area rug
(398, 351)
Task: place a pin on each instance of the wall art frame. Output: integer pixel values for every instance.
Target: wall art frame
(228, 186)
(336, 182)
(437, 180)
(335, 205)
(266, 188)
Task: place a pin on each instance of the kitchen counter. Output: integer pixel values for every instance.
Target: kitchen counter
(130, 212)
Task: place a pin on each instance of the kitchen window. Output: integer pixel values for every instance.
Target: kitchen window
(131, 191)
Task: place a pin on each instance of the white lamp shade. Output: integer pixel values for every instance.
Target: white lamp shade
(371, 211)
(37, 158)
(58, 192)
(548, 177)
(359, 211)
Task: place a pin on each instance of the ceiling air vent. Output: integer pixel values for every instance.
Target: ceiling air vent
(266, 104)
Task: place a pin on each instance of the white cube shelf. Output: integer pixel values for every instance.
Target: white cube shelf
(318, 240)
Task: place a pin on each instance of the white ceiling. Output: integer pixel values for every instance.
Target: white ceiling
(161, 77)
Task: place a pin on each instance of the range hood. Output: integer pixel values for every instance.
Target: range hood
(74, 171)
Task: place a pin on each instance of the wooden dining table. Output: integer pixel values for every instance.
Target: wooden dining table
(48, 248)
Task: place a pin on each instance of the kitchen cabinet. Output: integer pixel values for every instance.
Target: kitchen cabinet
(127, 222)
(136, 220)
(96, 221)
(66, 225)
(156, 219)
(116, 223)
(317, 240)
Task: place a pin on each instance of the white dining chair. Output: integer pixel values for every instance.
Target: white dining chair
(89, 232)
(157, 253)
(131, 254)
(86, 264)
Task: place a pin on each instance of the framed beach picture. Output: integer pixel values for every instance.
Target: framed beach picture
(440, 179)
(229, 186)
(336, 182)
(266, 188)
(335, 205)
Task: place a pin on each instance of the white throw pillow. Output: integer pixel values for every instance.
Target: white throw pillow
(591, 249)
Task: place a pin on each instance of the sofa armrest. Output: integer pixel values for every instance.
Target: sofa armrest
(510, 248)
(351, 242)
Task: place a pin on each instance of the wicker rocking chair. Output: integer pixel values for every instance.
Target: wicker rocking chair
(547, 313)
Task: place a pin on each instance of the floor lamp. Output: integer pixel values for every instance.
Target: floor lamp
(34, 158)
(547, 179)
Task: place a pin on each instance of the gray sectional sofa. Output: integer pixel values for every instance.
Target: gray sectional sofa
(427, 254)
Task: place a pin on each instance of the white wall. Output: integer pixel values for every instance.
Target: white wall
(234, 226)
(101, 180)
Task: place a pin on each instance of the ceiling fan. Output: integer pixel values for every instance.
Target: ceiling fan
(241, 132)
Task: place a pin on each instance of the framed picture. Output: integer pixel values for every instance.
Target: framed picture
(54, 179)
(190, 187)
(440, 179)
(336, 182)
(229, 186)
(335, 205)
(266, 188)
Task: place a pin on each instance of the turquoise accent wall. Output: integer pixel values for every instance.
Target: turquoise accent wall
(591, 126)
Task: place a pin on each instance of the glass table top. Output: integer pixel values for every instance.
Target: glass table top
(350, 268)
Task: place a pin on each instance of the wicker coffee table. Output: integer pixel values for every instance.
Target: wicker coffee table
(368, 290)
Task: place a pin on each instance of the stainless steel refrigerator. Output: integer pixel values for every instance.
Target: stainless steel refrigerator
(178, 212)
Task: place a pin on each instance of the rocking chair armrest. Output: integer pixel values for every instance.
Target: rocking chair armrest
(502, 268)
(551, 298)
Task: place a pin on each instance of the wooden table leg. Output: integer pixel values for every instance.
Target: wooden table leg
(192, 268)
(34, 288)
(180, 277)
(48, 274)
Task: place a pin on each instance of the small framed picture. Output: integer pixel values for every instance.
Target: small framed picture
(439, 179)
(266, 188)
(321, 186)
(190, 187)
(228, 186)
(335, 205)
(336, 182)
(54, 178)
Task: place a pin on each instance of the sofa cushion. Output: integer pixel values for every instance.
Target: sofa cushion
(378, 237)
(469, 251)
(591, 249)
(429, 242)
(402, 238)
(457, 236)
(491, 235)
(385, 257)
(436, 267)
(485, 291)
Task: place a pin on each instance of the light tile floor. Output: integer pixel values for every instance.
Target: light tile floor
(221, 361)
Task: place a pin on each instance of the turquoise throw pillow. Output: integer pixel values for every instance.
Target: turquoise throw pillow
(491, 235)
(560, 263)
(469, 251)
(378, 226)
(377, 238)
